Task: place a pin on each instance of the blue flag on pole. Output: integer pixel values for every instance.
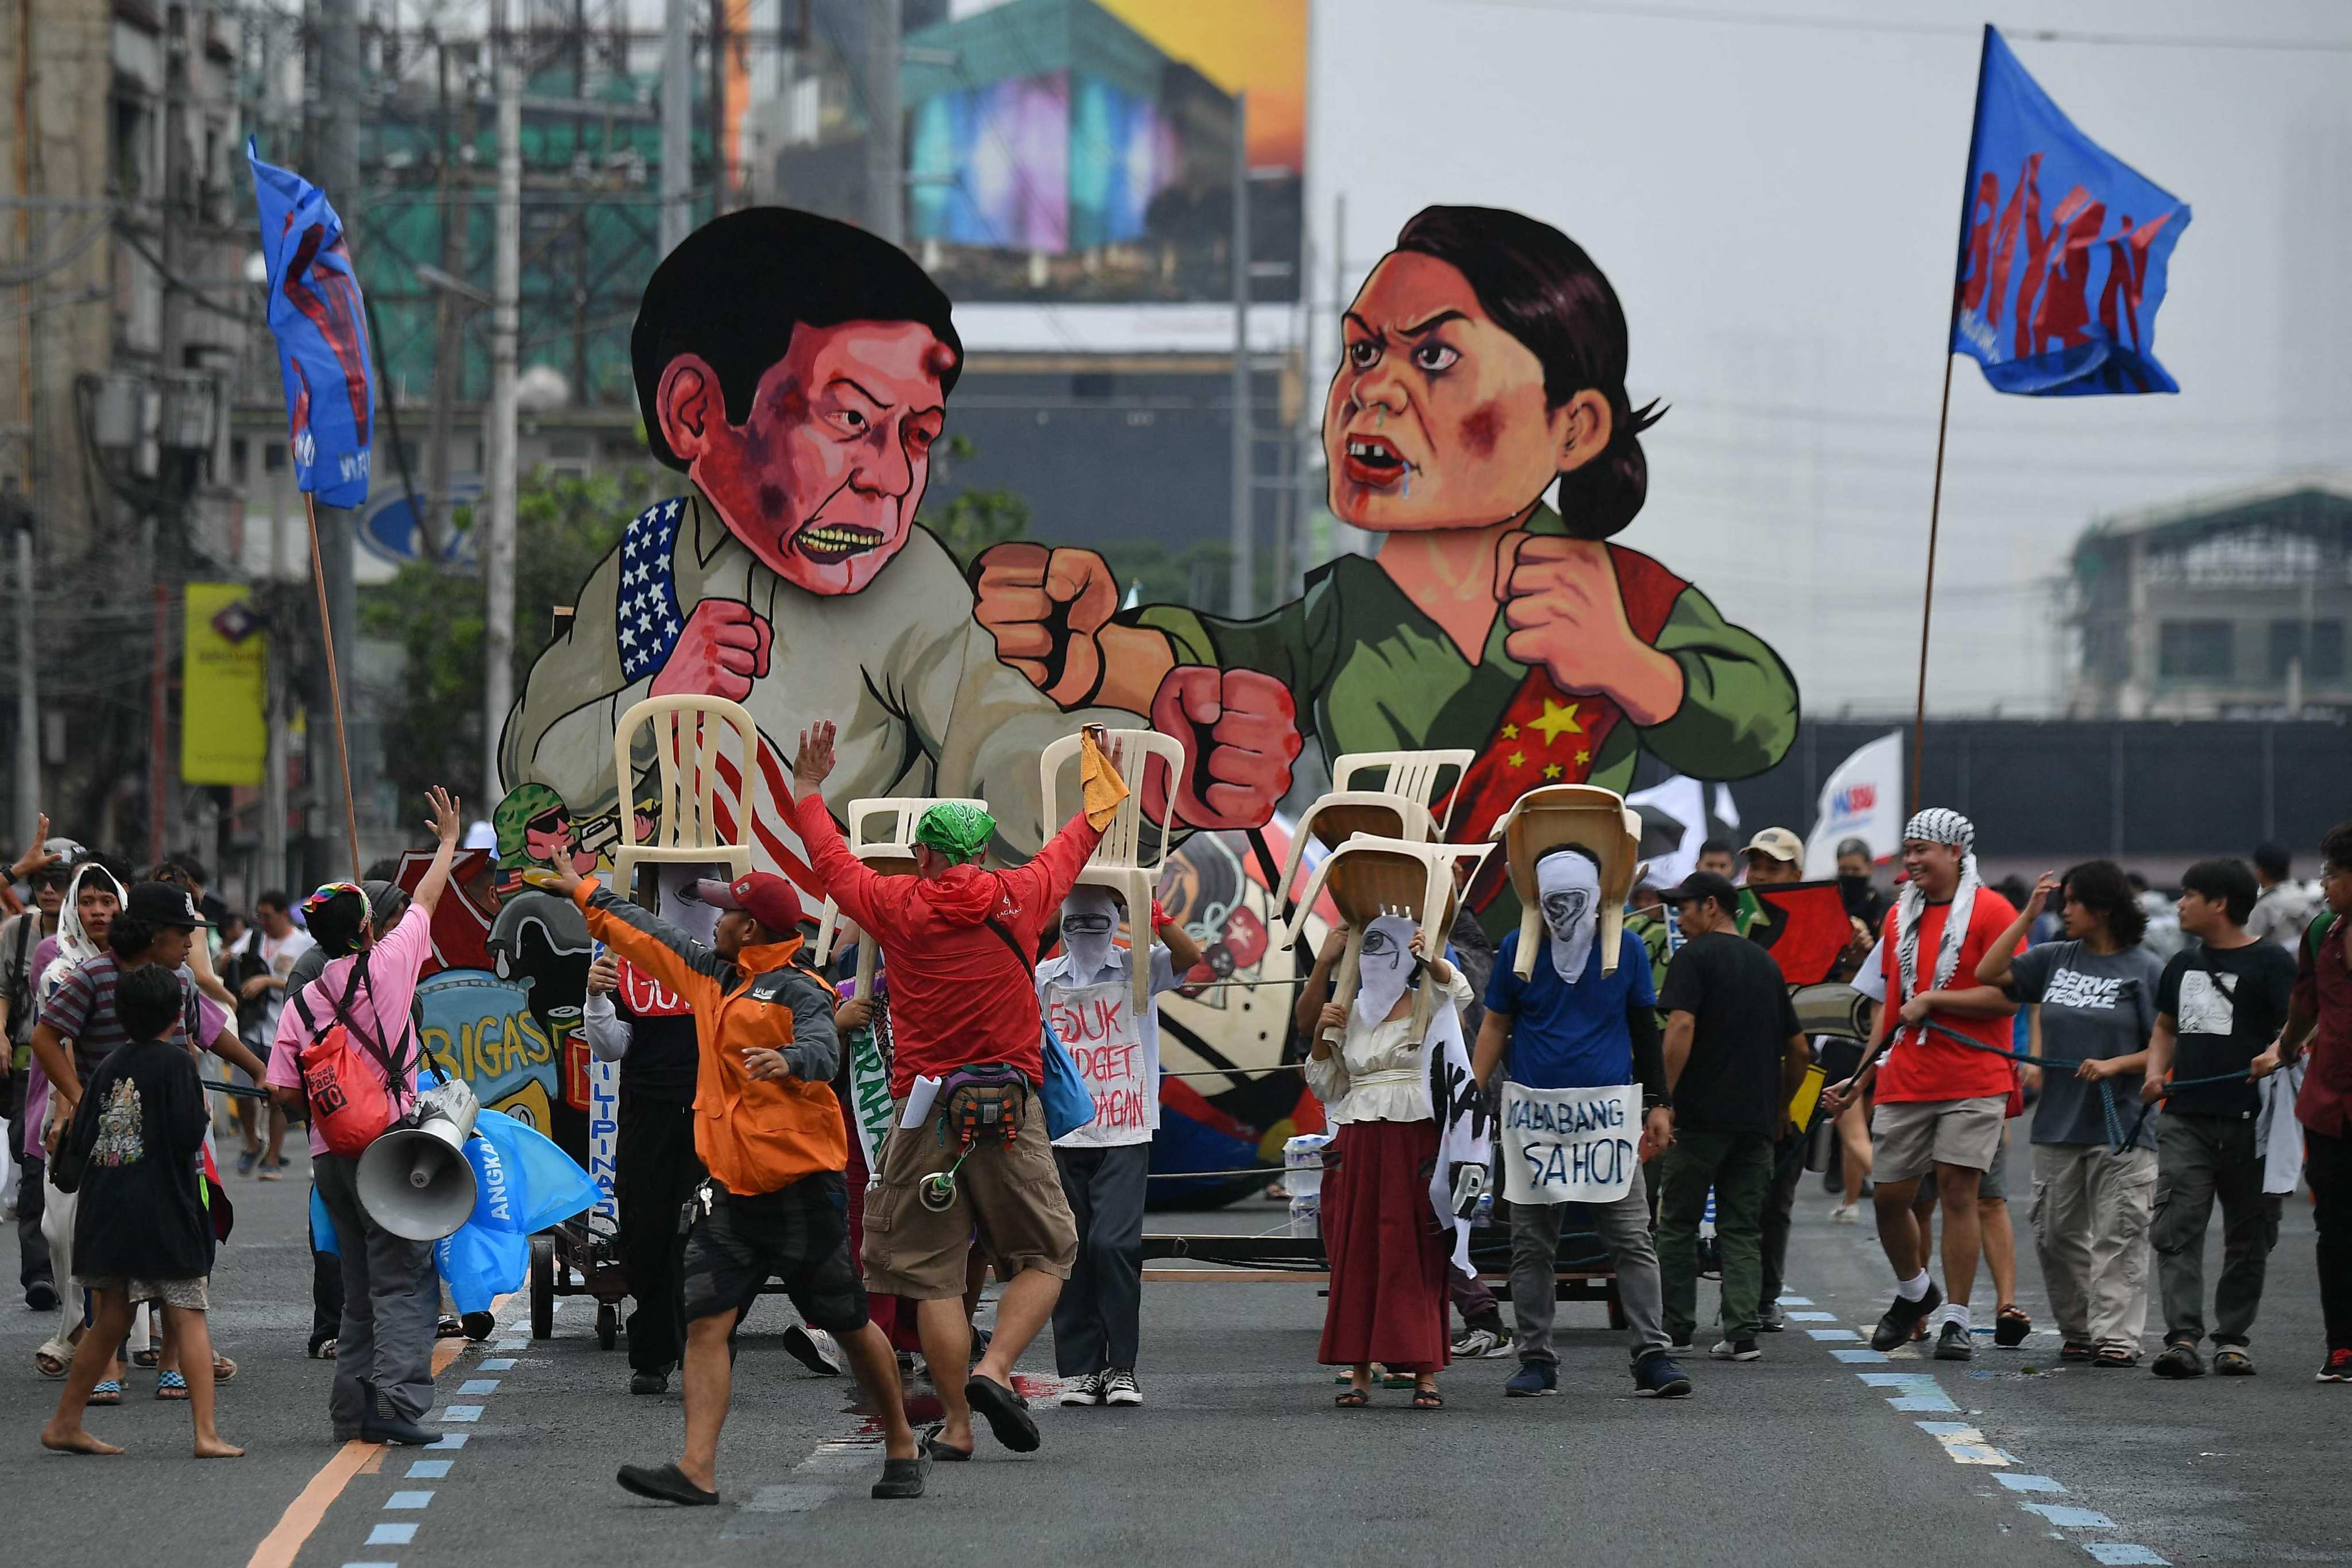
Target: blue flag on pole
(320, 325)
(2061, 306)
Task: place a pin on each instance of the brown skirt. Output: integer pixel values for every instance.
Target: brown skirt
(1388, 1261)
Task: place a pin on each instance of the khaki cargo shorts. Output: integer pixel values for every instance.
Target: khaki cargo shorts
(1008, 1199)
(1911, 1137)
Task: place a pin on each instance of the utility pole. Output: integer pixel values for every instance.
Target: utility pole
(448, 341)
(886, 160)
(339, 177)
(28, 701)
(1240, 599)
(499, 538)
(676, 128)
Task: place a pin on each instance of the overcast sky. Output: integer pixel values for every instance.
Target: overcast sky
(1776, 203)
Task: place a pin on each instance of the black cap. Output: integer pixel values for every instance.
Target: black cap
(1705, 885)
(164, 904)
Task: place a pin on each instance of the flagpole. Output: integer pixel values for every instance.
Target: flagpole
(334, 683)
(1927, 599)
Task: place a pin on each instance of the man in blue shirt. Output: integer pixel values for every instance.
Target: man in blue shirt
(1571, 1026)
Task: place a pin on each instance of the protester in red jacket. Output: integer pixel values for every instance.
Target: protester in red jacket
(961, 943)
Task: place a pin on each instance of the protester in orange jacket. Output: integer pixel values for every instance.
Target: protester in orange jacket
(770, 1133)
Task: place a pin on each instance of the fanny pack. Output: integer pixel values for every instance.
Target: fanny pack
(979, 1102)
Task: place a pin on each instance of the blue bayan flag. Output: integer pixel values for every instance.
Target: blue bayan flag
(322, 329)
(2064, 306)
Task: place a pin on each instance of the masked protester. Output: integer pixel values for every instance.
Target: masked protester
(1388, 1261)
(1575, 1023)
(1088, 996)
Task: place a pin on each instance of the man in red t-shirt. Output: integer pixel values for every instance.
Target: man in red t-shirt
(1940, 1106)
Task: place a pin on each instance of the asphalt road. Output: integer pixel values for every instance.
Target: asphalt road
(1237, 1456)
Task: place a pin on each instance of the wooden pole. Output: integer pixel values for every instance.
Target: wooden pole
(1927, 599)
(334, 684)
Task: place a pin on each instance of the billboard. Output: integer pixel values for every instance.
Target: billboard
(1084, 150)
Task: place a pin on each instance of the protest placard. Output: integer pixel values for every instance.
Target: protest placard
(1570, 1145)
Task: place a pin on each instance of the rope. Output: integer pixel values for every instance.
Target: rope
(2119, 1138)
(1238, 1072)
(1203, 1175)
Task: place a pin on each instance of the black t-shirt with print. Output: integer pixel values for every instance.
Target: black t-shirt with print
(2228, 1004)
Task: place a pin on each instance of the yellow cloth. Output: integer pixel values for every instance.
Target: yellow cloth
(1103, 788)
(1808, 1098)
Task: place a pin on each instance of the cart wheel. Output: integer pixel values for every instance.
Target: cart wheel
(608, 1325)
(1616, 1307)
(543, 1286)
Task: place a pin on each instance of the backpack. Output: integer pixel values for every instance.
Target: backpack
(16, 980)
(350, 1104)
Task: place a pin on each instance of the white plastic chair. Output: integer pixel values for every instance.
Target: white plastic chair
(1368, 877)
(1413, 774)
(687, 751)
(1406, 805)
(1544, 819)
(1119, 862)
(882, 833)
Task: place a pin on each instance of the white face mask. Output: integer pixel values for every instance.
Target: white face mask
(1089, 919)
(1568, 885)
(1386, 966)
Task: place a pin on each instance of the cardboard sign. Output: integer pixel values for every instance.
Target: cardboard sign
(1571, 1145)
(1097, 1023)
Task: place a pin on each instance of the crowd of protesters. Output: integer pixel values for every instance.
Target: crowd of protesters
(2177, 1055)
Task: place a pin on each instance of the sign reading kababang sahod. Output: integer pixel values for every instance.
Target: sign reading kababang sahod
(1570, 1145)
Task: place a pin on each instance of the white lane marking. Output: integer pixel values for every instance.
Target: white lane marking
(1862, 1357)
(2028, 1483)
(480, 1386)
(1789, 1300)
(2067, 1518)
(497, 1363)
(1829, 1335)
(1918, 1391)
(2124, 1552)
(449, 1440)
(461, 1413)
(428, 1470)
(409, 1499)
(1812, 1317)
(392, 1535)
(1965, 1444)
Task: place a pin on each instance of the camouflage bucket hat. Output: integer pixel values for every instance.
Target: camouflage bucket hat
(959, 831)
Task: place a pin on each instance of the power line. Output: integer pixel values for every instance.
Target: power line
(1802, 22)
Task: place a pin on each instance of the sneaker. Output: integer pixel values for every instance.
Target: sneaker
(2232, 1361)
(1085, 1389)
(1903, 1317)
(247, 1159)
(271, 1170)
(1533, 1380)
(1846, 1214)
(2337, 1368)
(1659, 1377)
(41, 1296)
(1681, 1345)
(814, 1349)
(1119, 1387)
(1735, 1350)
(2178, 1360)
(1481, 1345)
(1955, 1343)
(1770, 1320)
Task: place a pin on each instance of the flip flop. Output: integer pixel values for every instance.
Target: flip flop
(223, 1369)
(932, 1446)
(146, 1360)
(1352, 1399)
(1427, 1399)
(2010, 1326)
(665, 1483)
(107, 1393)
(1008, 1420)
(171, 1385)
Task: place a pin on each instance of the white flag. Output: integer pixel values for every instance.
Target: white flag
(1861, 799)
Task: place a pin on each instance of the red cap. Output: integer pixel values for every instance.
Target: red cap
(764, 896)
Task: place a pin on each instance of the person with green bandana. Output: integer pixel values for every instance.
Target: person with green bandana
(1484, 361)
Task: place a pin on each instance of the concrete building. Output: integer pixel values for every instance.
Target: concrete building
(2225, 607)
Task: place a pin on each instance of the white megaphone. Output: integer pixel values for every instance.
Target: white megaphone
(415, 1181)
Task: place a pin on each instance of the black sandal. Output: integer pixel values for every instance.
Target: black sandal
(2010, 1326)
(1007, 1416)
(664, 1483)
(1427, 1399)
(2076, 1350)
(1353, 1398)
(900, 1478)
(2115, 1355)
(930, 1443)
